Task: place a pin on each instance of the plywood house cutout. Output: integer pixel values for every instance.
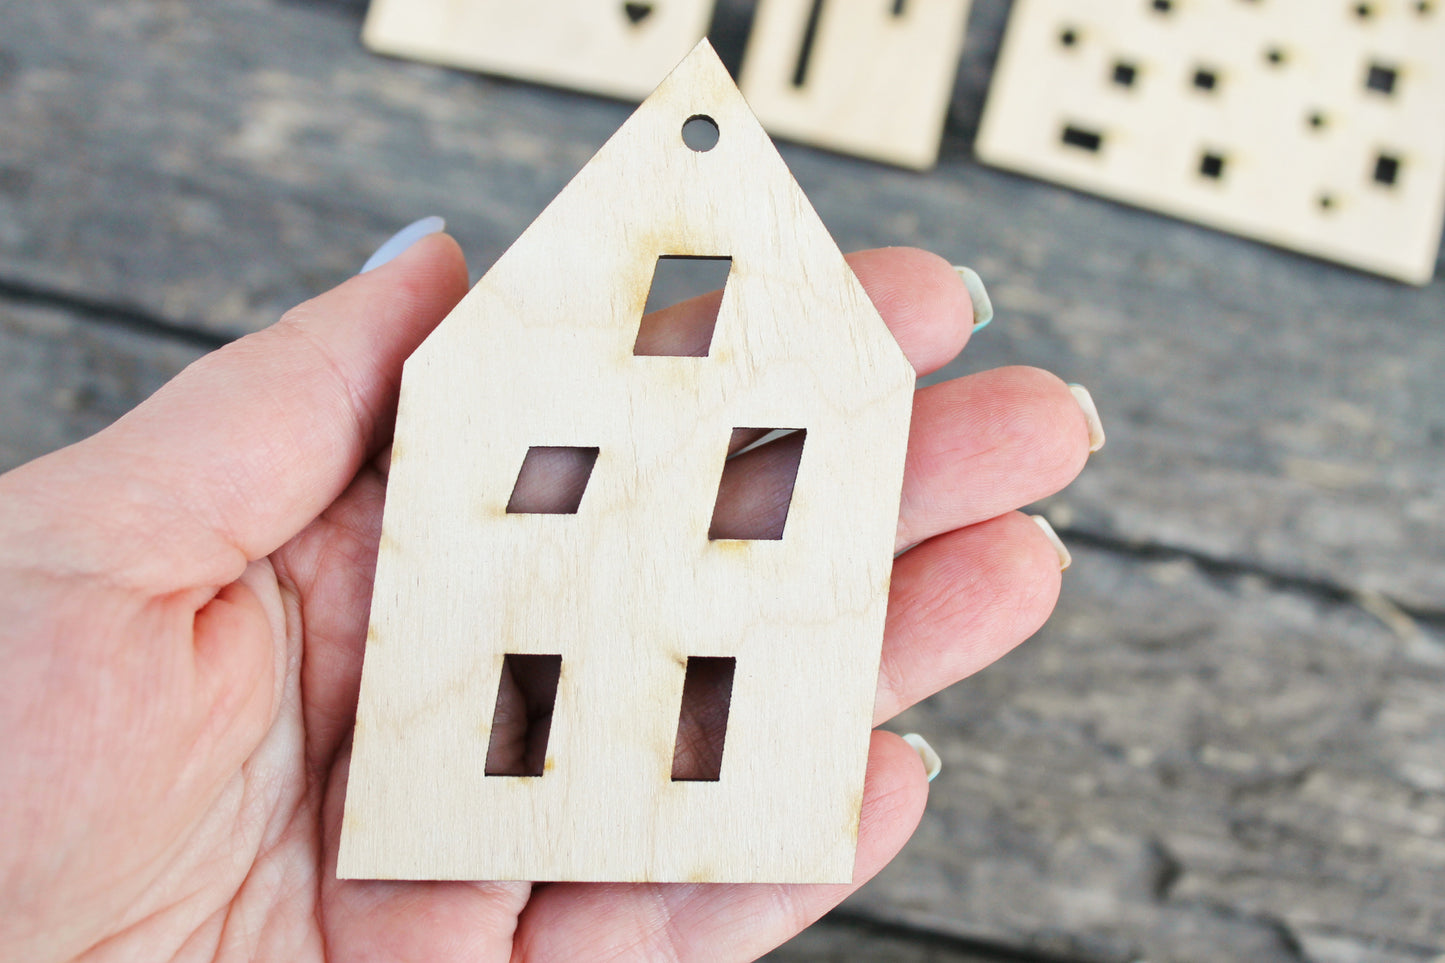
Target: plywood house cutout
(867, 77)
(603, 46)
(611, 607)
(1317, 125)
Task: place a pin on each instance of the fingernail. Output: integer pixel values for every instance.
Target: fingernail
(1065, 558)
(982, 304)
(397, 244)
(931, 762)
(1091, 415)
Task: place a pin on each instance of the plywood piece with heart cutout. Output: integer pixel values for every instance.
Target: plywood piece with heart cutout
(872, 78)
(1317, 125)
(619, 49)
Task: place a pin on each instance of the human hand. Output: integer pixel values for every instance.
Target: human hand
(183, 607)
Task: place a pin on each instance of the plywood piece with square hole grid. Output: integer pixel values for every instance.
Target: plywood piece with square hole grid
(867, 77)
(542, 352)
(602, 46)
(1317, 125)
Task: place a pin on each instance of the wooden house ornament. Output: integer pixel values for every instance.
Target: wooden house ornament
(1316, 125)
(603, 46)
(872, 78)
(611, 610)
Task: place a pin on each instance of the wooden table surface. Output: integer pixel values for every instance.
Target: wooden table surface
(1229, 743)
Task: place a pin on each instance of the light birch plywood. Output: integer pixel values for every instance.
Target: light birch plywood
(540, 353)
(612, 48)
(1317, 126)
(867, 77)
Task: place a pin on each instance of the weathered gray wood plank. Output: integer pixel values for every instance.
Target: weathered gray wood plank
(211, 165)
(1185, 767)
(63, 378)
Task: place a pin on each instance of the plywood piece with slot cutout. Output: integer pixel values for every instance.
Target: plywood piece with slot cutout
(1316, 125)
(630, 587)
(867, 77)
(602, 46)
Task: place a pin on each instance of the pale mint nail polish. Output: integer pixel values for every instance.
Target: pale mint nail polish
(978, 293)
(397, 244)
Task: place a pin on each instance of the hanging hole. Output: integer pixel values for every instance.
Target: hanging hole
(1275, 56)
(1326, 202)
(1068, 37)
(1364, 11)
(522, 719)
(702, 721)
(701, 133)
(1318, 120)
(682, 307)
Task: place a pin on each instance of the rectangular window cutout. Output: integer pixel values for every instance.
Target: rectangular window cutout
(682, 306)
(702, 723)
(1084, 139)
(552, 481)
(522, 719)
(756, 488)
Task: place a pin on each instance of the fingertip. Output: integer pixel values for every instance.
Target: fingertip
(923, 300)
(895, 795)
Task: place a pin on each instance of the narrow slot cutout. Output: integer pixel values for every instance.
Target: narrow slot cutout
(1206, 79)
(1125, 74)
(702, 721)
(1381, 79)
(810, 38)
(1083, 139)
(522, 718)
(637, 12)
(756, 488)
(1387, 169)
(682, 307)
(552, 480)
(1211, 165)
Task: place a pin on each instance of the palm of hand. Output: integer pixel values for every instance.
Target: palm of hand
(187, 598)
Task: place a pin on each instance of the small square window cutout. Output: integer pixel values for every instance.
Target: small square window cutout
(1125, 74)
(1387, 170)
(1381, 79)
(1212, 165)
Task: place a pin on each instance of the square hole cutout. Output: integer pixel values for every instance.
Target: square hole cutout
(1387, 169)
(682, 306)
(1381, 79)
(1211, 165)
(552, 481)
(1125, 74)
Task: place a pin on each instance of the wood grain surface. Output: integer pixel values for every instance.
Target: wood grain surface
(1226, 745)
(630, 584)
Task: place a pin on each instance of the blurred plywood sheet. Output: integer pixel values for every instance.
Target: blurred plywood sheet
(866, 77)
(612, 48)
(1317, 126)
